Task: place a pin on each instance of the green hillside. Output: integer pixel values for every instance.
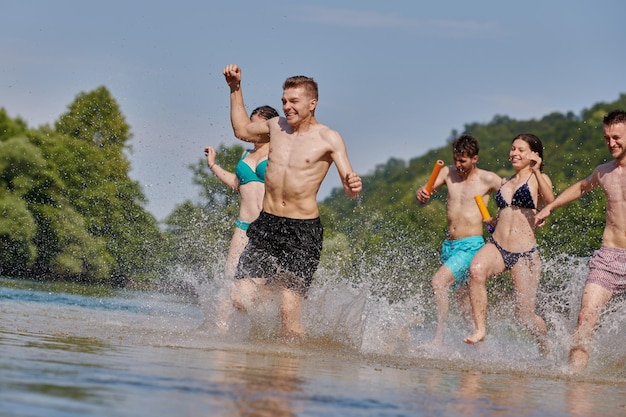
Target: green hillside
(388, 212)
(70, 210)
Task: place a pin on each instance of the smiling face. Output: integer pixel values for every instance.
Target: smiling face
(523, 147)
(298, 105)
(518, 155)
(615, 138)
(465, 164)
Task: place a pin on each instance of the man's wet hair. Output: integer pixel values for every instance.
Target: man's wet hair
(308, 83)
(267, 112)
(465, 145)
(614, 117)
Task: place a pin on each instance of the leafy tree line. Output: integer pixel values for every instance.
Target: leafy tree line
(199, 233)
(70, 210)
(387, 235)
(68, 207)
(388, 211)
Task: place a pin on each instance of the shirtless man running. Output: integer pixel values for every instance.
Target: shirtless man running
(285, 242)
(607, 266)
(464, 181)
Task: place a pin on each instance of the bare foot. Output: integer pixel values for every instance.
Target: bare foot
(578, 359)
(291, 337)
(545, 349)
(475, 338)
(222, 327)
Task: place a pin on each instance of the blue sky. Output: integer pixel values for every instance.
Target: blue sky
(395, 77)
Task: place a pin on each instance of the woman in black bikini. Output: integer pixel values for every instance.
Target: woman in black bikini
(513, 246)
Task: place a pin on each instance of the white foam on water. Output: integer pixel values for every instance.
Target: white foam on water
(339, 314)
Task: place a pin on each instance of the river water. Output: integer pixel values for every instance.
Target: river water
(72, 351)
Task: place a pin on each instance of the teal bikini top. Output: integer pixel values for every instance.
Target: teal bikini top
(245, 174)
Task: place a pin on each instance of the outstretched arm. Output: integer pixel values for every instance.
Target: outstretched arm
(243, 128)
(572, 193)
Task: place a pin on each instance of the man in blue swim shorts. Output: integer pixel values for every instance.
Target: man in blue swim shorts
(457, 256)
(464, 180)
(286, 240)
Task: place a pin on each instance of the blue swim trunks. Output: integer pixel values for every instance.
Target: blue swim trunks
(457, 255)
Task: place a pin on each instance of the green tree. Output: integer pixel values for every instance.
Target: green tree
(41, 234)
(20, 164)
(95, 171)
(70, 209)
(10, 127)
(17, 229)
(200, 232)
(385, 236)
(387, 211)
(95, 117)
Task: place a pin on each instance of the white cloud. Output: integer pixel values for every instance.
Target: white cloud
(368, 19)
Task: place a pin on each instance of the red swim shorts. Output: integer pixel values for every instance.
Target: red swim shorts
(607, 268)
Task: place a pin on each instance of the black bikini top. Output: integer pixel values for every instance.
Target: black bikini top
(522, 198)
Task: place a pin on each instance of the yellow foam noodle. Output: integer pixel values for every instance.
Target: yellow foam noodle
(481, 206)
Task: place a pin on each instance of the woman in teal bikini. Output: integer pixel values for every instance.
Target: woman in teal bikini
(248, 179)
(513, 246)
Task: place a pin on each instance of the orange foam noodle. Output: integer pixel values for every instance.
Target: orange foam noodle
(481, 206)
(433, 176)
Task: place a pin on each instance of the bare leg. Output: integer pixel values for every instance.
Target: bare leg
(441, 284)
(237, 244)
(486, 263)
(478, 299)
(290, 310)
(463, 303)
(525, 275)
(247, 292)
(593, 301)
(578, 359)
(225, 309)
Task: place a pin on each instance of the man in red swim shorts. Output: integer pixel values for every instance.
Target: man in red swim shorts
(607, 266)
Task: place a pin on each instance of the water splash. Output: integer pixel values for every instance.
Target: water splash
(361, 317)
